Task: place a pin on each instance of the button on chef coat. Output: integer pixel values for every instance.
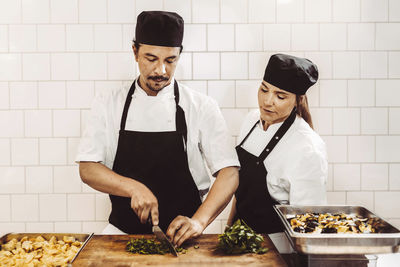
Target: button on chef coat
(208, 136)
(297, 166)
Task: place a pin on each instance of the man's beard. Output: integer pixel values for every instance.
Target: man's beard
(155, 78)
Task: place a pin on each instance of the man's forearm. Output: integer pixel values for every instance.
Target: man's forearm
(219, 196)
(101, 178)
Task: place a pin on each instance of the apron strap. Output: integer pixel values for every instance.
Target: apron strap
(248, 134)
(180, 116)
(180, 121)
(127, 104)
(278, 135)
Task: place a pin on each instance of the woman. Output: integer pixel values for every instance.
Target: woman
(282, 159)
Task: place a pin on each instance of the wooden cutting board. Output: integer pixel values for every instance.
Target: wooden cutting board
(109, 250)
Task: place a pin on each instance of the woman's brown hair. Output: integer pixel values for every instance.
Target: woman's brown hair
(302, 109)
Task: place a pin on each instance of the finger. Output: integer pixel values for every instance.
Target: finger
(144, 215)
(173, 227)
(154, 215)
(184, 228)
(188, 234)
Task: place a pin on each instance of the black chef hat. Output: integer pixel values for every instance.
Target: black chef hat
(290, 73)
(159, 28)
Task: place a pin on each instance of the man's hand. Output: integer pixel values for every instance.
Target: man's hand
(183, 228)
(143, 202)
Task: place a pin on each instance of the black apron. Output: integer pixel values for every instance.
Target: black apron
(254, 204)
(159, 161)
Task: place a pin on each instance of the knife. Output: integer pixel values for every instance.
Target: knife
(162, 237)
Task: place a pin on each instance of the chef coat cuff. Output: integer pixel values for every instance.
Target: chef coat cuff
(88, 158)
(215, 168)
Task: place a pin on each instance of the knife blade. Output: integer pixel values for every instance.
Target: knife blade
(163, 238)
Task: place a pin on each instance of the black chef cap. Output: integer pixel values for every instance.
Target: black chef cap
(290, 73)
(159, 28)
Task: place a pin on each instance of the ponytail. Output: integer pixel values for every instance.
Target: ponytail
(303, 110)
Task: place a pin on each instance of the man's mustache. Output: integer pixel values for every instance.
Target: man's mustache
(154, 78)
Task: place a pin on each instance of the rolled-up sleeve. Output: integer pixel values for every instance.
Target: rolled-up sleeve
(93, 143)
(215, 140)
(308, 179)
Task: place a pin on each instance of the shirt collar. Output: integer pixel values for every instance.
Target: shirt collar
(166, 91)
(273, 127)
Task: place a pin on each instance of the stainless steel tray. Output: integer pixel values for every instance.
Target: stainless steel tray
(318, 243)
(80, 237)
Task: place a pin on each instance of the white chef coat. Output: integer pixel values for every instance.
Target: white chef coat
(297, 167)
(208, 136)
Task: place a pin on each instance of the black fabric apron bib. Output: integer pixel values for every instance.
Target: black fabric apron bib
(159, 161)
(253, 201)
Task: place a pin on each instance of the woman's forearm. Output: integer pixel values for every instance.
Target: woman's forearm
(232, 213)
(219, 196)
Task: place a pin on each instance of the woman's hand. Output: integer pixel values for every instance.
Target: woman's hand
(183, 228)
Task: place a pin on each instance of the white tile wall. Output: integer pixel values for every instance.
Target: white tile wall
(288, 11)
(53, 207)
(22, 38)
(374, 177)
(55, 55)
(24, 151)
(346, 121)
(220, 37)
(346, 65)
(361, 148)
(394, 64)
(51, 38)
(361, 93)
(374, 121)
(64, 11)
(248, 37)
(39, 179)
(234, 65)
(333, 93)
(347, 177)
(35, 11)
(222, 92)
(394, 118)
(262, 11)
(333, 36)
(374, 10)
(346, 10)
(374, 65)
(357, 198)
(277, 37)
(24, 208)
(38, 123)
(5, 152)
(233, 11)
(394, 176)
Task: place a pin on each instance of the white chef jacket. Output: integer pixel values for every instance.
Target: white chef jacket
(208, 136)
(297, 167)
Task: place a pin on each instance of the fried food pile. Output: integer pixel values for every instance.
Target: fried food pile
(37, 251)
(335, 223)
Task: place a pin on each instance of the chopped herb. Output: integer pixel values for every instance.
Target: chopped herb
(240, 238)
(146, 246)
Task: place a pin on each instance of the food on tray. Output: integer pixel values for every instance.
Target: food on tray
(150, 246)
(335, 223)
(37, 251)
(240, 238)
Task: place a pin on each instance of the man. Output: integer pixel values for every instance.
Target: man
(147, 145)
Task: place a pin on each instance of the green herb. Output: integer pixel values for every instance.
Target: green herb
(196, 247)
(240, 238)
(147, 246)
(150, 246)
